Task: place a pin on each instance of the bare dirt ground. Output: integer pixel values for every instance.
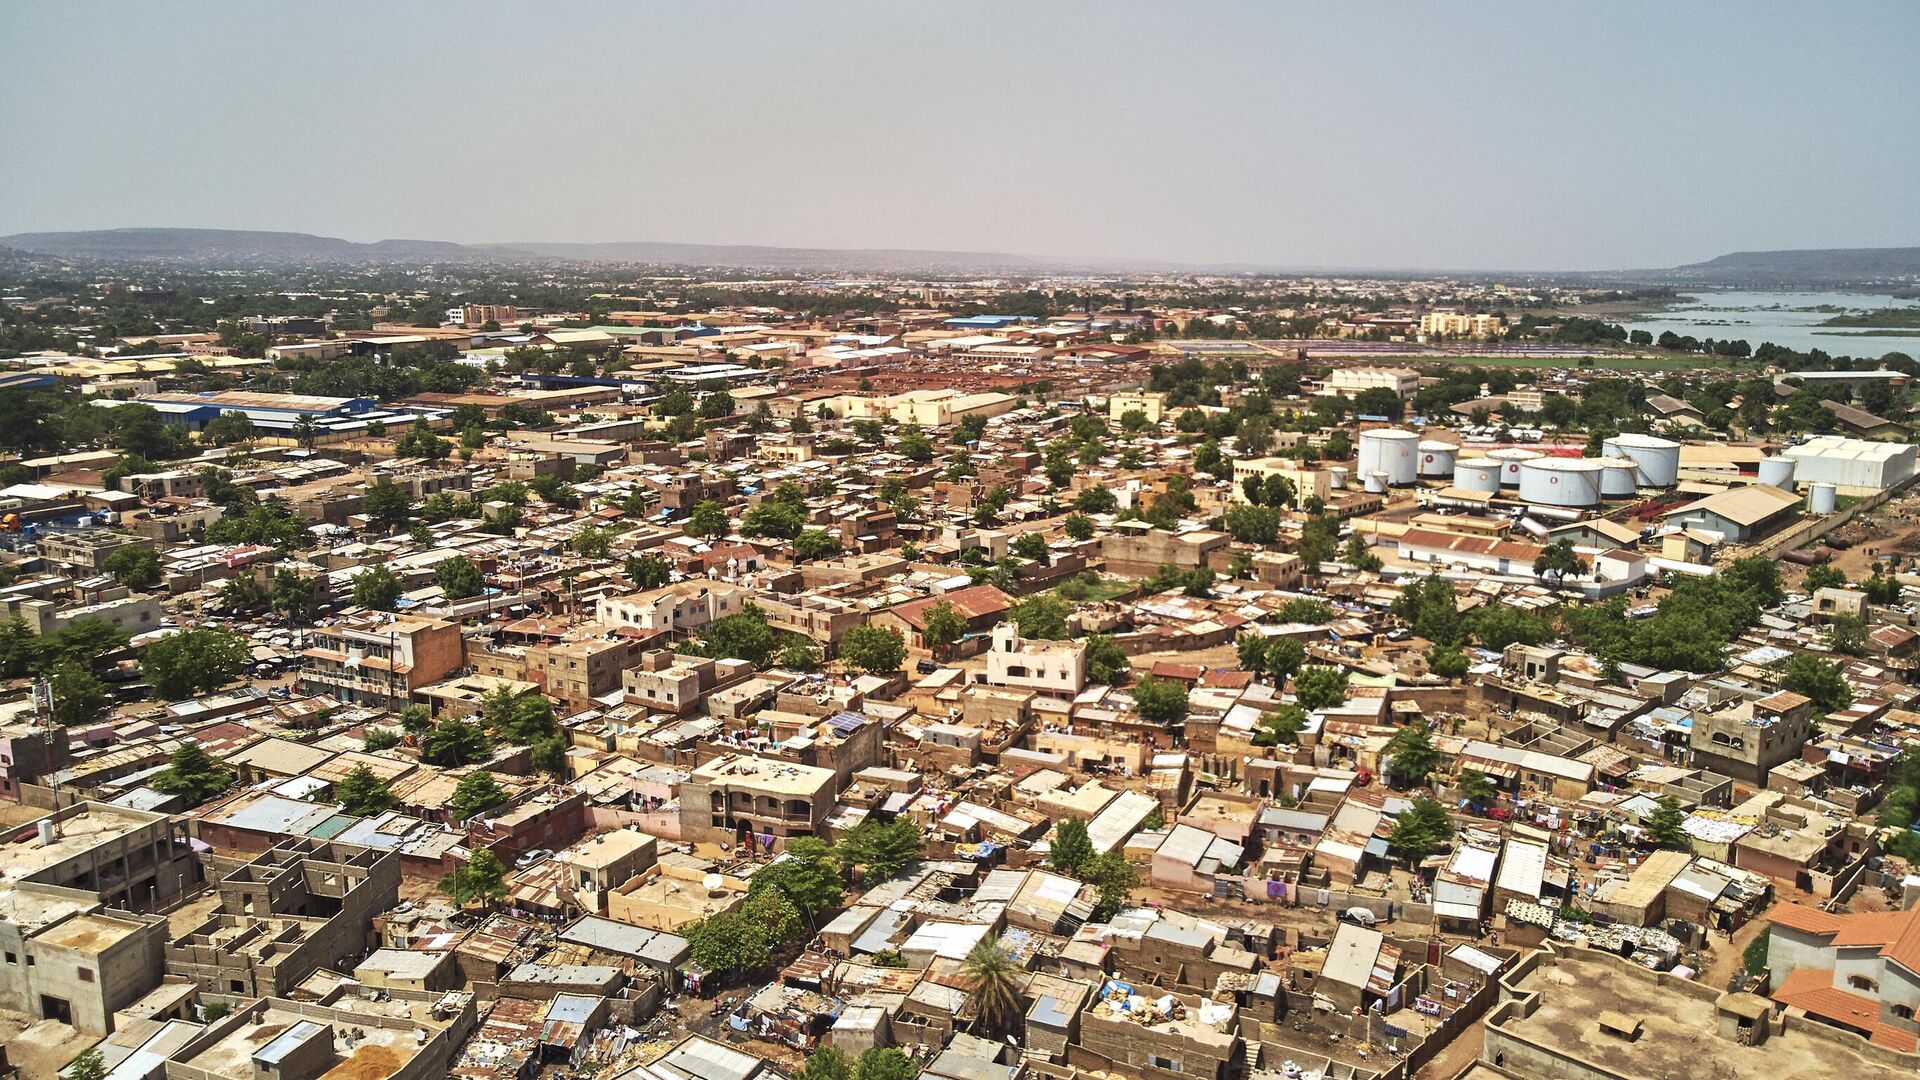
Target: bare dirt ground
(40, 1048)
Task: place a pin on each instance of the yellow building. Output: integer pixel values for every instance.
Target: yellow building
(1150, 402)
(1307, 483)
(1454, 325)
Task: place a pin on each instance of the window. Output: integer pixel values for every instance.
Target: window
(1902, 1012)
(236, 986)
(1861, 982)
(86, 974)
(1166, 1063)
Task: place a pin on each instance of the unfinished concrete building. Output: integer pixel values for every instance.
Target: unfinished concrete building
(73, 945)
(301, 906)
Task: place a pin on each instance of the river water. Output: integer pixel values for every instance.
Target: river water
(1782, 318)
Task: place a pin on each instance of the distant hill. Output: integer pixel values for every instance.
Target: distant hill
(1819, 266)
(228, 245)
(235, 245)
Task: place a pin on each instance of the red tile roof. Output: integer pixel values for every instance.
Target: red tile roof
(1807, 920)
(1812, 990)
(973, 602)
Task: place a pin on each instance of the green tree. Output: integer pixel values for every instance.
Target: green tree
(1666, 826)
(192, 774)
(1114, 878)
(807, 875)
(1107, 662)
(1319, 687)
(1825, 576)
(799, 654)
(90, 1065)
(133, 565)
(591, 542)
(475, 794)
(1285, 657)
(743, 635)
(1359, 556)
(376, 589)
(1319, 537)
(1040, 617)
(1419, 829)
(649, 571)
(1818, 680)
(78, 697)
(1847, 634)
(880, 848)
(459, 577)
(813, 544)
(1096, 500)
(243, 594)
(387, 505)
(1475, 786)
(193, 662)
(550, 755)
(779, 520)
(1280, 727)
(1558, 561)
(1032, 547)
(1447, 662)
(482, 878)
(1251, 524)
(452, 743)
(1078, 526)
(1071, 846)
(1410, 756)
(1881, 587)
(379, 739)
(826, 1063)
(363, 794)
(517, 717)
(1163, 701)
(708, 518)
(294, 596)
(877, 650)
(884, 1063)
(994, 981)
(944, 627)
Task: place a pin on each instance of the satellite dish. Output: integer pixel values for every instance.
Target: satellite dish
(713, 883)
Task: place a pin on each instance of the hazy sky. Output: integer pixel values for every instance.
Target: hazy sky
(1446, 135)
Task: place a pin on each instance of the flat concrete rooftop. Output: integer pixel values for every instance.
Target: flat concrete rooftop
(1678, 1032)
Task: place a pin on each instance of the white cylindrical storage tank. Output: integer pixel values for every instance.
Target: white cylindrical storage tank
(1376, 482)
(1510, 459)
(1337, 478)
(1436, 459)
(1477, 474)
(1821, 498)
(1658, 459)
(1619, 477)
(1551, 481)
(1391, 451)
(1777, 472)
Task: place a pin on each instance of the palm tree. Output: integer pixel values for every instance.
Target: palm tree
(304, 431)
(993, 979)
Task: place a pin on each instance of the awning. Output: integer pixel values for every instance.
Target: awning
(1448, 909)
